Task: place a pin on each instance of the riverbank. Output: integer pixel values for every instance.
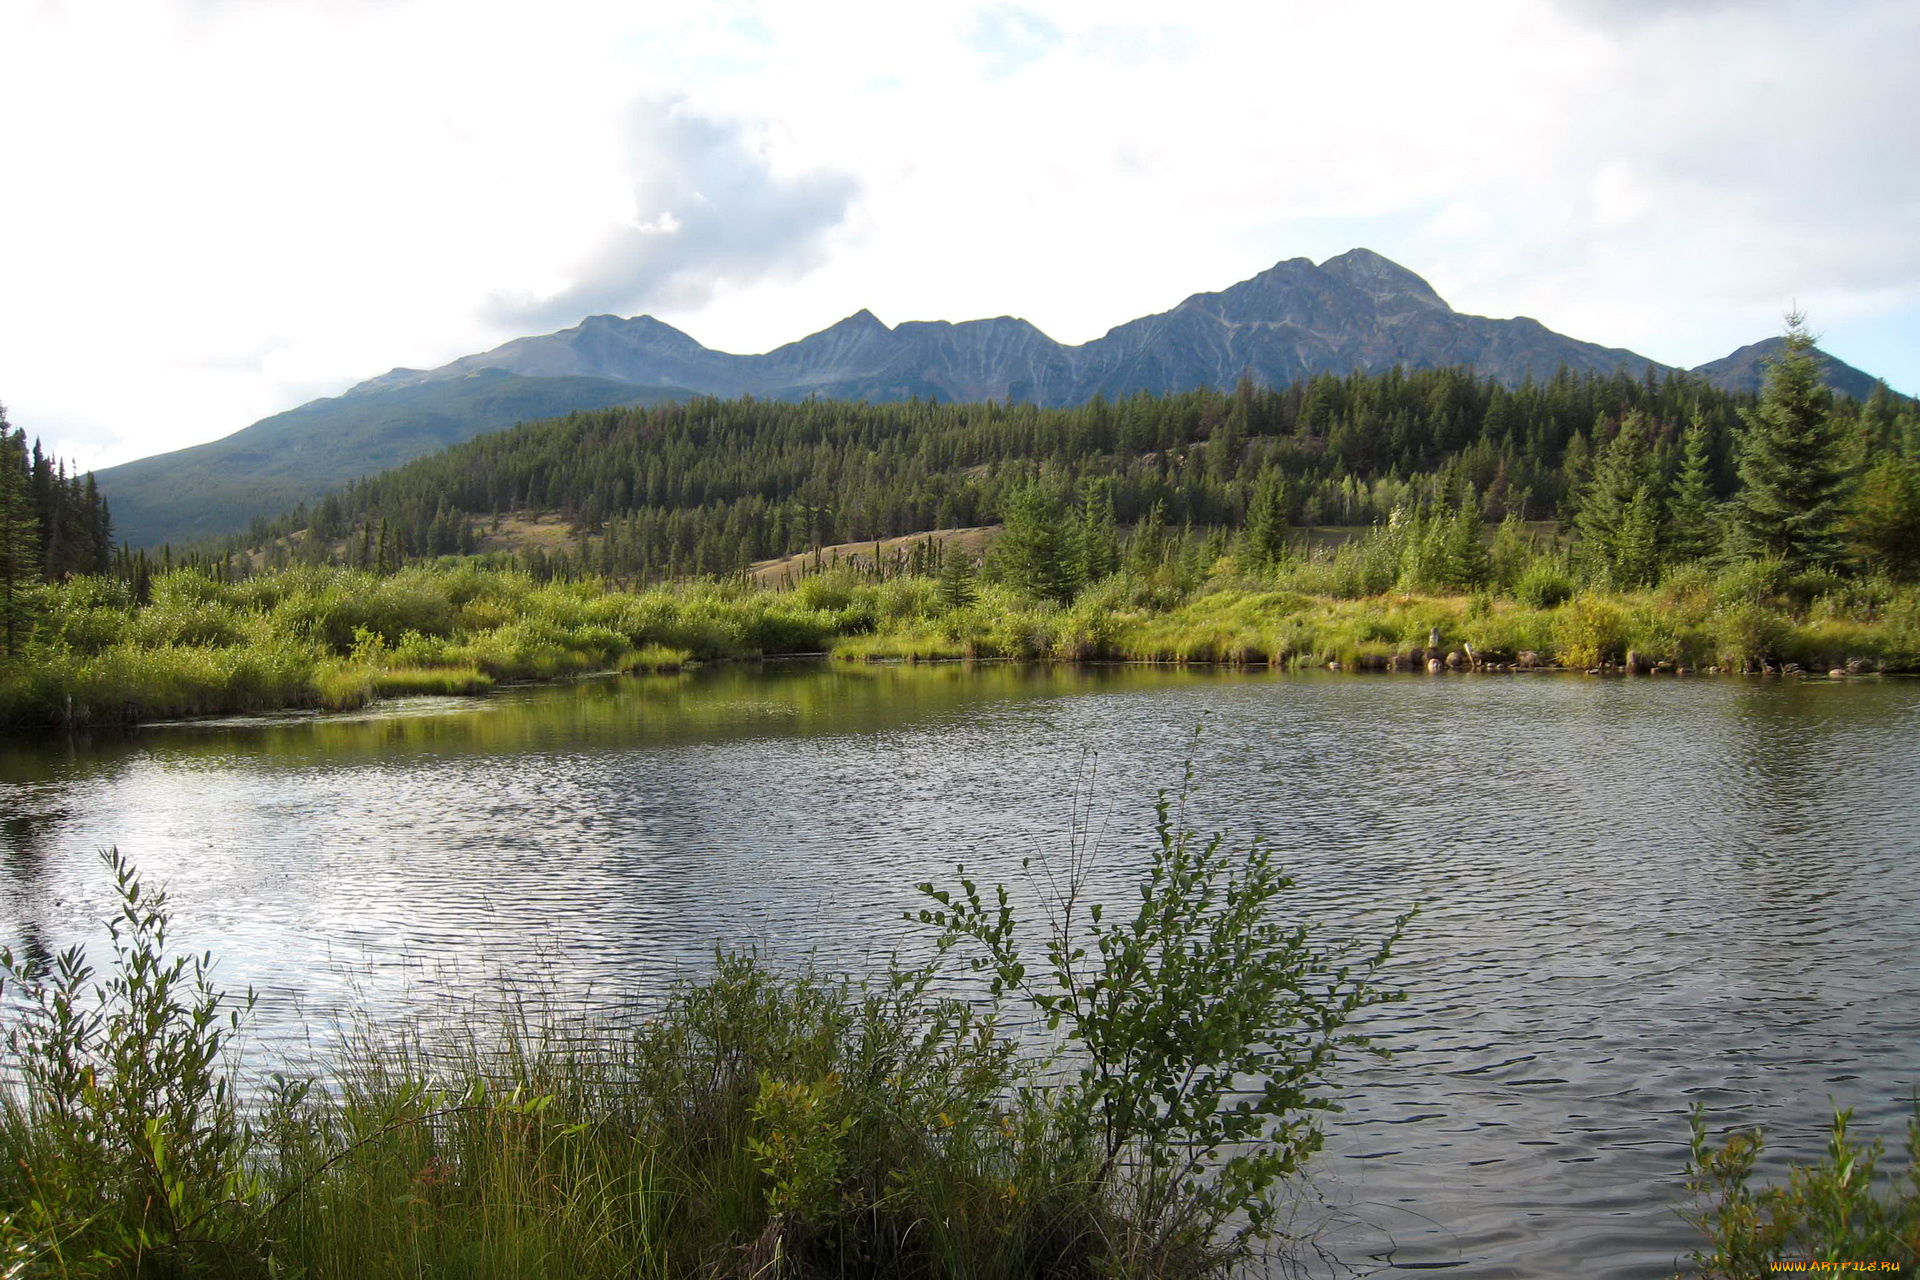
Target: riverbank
(338, 639)
(756, 1121)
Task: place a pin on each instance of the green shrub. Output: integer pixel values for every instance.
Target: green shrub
(1589, 631)
(1544, 584)
(1836, 1211)
(1169, 1007)
(128, 1154)
(1748, 636)
(1751, 582)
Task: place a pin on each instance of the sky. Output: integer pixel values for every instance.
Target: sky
(214, 210)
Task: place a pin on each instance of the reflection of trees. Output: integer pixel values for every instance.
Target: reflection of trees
(727, 702)
(25, 846)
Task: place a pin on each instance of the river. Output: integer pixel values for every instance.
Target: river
(1635, 895)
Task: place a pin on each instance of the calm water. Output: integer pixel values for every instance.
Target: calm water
(1637, 895)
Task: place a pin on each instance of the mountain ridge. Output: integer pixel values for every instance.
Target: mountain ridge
(1355, 312)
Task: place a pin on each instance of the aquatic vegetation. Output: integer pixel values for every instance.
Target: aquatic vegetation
(338, 638)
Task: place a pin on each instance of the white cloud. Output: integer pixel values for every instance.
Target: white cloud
(707, 211)
(218, 209)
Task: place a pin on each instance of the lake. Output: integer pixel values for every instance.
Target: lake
(1636, 895)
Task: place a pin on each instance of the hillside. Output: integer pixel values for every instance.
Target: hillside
(716, 485)
(1357, 312)
(293, 457)
(1745, 369)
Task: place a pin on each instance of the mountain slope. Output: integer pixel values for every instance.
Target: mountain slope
(1357, 311)
(291, 457)
(1354, 312)
(1744, 370)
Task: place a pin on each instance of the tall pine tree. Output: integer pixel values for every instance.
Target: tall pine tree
(1792, 468)
(19, 539)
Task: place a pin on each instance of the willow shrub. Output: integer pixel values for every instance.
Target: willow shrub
(1834, 1212)
(1201, 991)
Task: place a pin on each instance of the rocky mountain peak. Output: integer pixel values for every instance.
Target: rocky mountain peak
(1381, 279)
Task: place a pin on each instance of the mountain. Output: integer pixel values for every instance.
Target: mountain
(294, 456)
(1355, 312)
(1745, 369)
(1358, 311)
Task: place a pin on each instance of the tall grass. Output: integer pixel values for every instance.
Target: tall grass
(340, 638)
(756, 1122)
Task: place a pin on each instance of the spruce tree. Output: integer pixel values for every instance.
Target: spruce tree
(1620, 474)
(1148, 550)
(1885, 521)
(1032, 552)
(1265, 542)
(956, 587)
(1097, 539)
(1792, 472)
(1693, 514)
(19, 539)
(1636, 548)
(1468, 566)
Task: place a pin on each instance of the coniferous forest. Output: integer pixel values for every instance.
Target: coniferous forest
(711, 486)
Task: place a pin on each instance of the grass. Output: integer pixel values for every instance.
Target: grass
(339, 638)
(756, 1121)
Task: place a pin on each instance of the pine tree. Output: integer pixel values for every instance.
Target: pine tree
(1097, 539)
(1792, 477)
(1148, 550)
(1884, 524)
(1032, 552)
(1620, 475)
(1467, 565)
(19, 539)
(1693, 514)
(956, 587)
(1636, 548)
(1265, 542)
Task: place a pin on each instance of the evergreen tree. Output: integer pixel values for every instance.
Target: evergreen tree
(1792, 476)
(1097, 539)
(1622, 474)
(1148, 550)
(1467, 565)
(1884, 524)
(956, 586)
(1032, 553)
(1265, 543)
(1636, 548)
(19, 539)
(1693, 514)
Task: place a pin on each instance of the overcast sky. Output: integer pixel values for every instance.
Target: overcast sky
(212, 211)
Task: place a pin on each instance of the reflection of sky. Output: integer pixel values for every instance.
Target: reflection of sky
(1636, 894)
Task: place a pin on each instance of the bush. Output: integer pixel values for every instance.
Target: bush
(1751, 582)
(129, 1155)
(1589, 631)
(1170, 1008)
(1544, 584)
(1835, 1211)
(1748, 636)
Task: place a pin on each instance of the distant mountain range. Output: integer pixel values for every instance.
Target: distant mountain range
(1357, 311)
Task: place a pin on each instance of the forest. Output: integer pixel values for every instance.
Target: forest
(710, 486)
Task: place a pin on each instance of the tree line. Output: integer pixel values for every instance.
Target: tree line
(1640, 469)
(53, 525)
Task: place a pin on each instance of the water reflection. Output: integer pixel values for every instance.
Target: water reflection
(1637, 894)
